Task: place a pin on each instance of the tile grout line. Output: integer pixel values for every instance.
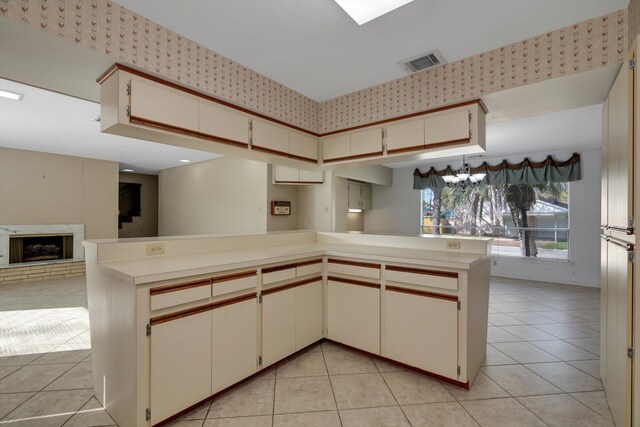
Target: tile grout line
(331, 385)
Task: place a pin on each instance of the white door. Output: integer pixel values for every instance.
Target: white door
(278, 326)
(309, 313)
(180, 364)
(234, 343)
(422, 331)
(353, 315)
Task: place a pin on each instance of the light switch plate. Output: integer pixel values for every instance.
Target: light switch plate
(453, 244)
(155, 248)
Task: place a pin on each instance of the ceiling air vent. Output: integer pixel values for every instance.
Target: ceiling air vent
(422, 61)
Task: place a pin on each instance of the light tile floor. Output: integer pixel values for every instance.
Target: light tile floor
(541, 369)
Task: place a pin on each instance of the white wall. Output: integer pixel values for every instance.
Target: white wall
(282, 192)
(396, 209)
(225, 195)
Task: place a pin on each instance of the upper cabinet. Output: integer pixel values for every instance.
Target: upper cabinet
(405, 136)
(270, 137)
(303, 146)
(287, 175)
(218, 122)
(149, 104)
(141, 106)
(447, 127)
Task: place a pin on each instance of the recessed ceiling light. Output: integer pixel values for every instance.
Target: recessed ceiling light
(128, 170)
(95, 118)
(11, 95)
(185, 161)
(363, 11)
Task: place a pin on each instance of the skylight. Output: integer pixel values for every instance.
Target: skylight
(363, 11)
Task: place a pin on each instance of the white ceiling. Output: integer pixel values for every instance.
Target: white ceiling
(54, 123)
(315, 48)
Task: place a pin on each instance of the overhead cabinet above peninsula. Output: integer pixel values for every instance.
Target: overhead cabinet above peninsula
(139, 105)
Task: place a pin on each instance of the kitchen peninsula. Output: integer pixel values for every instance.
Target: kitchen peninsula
(177, 320)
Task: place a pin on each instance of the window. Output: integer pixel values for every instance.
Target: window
(524, 220)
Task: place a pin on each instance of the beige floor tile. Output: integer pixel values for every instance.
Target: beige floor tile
(595, 400)
(92, 414)
(501, 413)
(330, 346)
(260, 421)
(591, 367)
(252, 398)
(588, 315)
(384, 366)
(495, 357)
(523, 352)
(531, 318)
(411, 387)
(592, 345)
(562, 331)
(361, 391)
(590, 327)
(501, 319)
(438, 414)
(482, 388)
(565, 376)
(528, 333)
(308, 419)
(56, 357)
(307, 364)
(562, 317)
(495, 335)
(10, 401)
(519, 381)
(32, 377)
(199, 413)
(303, 395)
(563, 350)
(80, 376)
(186, 423)
(267, 374)
(18, 360)
(6, 370)
(390, 416)
(348, 362)
(49, 408)
(563, 410)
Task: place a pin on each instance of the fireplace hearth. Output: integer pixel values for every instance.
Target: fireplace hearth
(38, 248)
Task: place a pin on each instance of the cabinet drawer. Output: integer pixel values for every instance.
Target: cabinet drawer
(354, 268)
(234, 282)
(422, 277)
(304, 268)
(278, 273)
(181, 293)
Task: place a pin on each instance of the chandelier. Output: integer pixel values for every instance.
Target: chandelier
(463, 176)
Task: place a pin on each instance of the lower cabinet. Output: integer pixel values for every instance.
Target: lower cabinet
(234, 343)
(291, 320)
(421, 330)
(180, 363)
(278, 325)
(353, 313)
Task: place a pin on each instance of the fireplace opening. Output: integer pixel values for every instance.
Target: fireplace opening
(42, 247)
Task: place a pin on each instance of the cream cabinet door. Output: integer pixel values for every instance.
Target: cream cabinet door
(163, 106)
(312, 177)
(366, 196)
(234, 343)
(309, 313)
(353, 315)
(422, 332)
(366, 142)
(285, 174)
(405, 136)
(278, 326)
(336, 147)
(446, 127)
(220, 122)
(180, 364)
(270, 136)
(354, 190)
(302, 145)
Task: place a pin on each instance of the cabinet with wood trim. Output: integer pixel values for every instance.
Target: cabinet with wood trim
(303, 146)
(270, 137)
(359, 195)
(294, 176)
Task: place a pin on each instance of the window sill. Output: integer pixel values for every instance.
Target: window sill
(532, 260)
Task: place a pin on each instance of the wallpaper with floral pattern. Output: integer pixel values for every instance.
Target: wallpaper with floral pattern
(131, 39)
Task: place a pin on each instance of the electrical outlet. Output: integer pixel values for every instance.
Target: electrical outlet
(155, 248)
(453, 244)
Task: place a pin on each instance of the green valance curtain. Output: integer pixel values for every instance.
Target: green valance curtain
(525, 172)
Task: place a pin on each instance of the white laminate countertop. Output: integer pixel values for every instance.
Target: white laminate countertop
(154, 269)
